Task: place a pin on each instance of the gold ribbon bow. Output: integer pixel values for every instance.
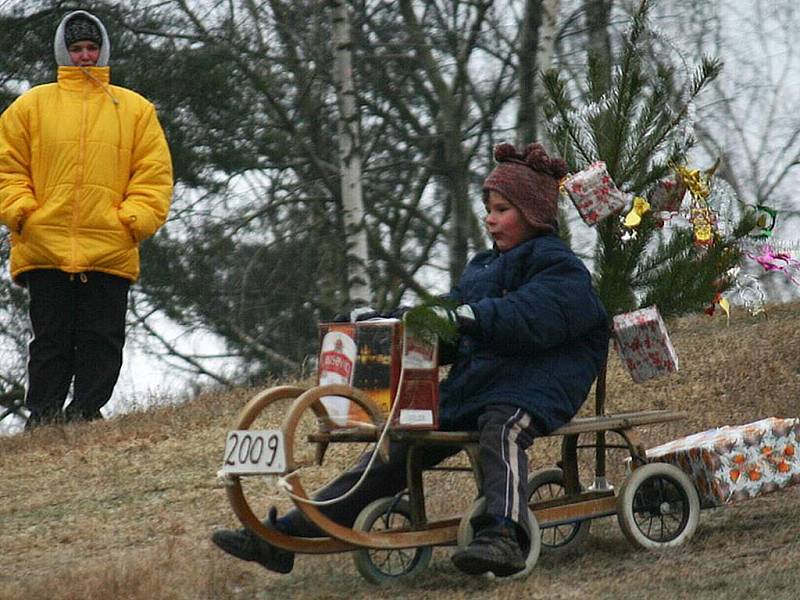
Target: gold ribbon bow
(638, 210)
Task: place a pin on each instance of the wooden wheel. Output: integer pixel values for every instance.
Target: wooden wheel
(436, 533)
(312, 399)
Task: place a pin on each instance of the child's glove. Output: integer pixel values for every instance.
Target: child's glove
(462, 317)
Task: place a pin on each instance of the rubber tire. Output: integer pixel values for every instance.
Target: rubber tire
(633, 493)
(364, 558)
(465, 535)
(576, 532)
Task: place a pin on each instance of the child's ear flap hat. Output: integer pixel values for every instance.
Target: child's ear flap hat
(530, 181)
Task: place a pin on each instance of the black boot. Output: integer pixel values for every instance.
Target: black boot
(246, 545)
(494, 549)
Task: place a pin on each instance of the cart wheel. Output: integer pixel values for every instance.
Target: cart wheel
(658, 506)
(557, 540)
(382, 566)
(465, 535)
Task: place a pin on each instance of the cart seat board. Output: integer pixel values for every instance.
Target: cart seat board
(619, 421)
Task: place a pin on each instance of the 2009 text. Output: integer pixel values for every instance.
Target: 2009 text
(254, 452)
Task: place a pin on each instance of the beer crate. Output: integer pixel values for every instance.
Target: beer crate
(386, 362)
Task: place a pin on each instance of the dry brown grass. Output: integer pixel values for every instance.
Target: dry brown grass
(123, 508)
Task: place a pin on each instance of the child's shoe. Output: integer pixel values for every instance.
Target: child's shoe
(494, 549)
(246, 545)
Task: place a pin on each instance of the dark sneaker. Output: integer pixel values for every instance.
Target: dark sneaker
(246, 545)
(494, 550)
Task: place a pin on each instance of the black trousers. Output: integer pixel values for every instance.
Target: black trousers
(506, 432)
(78, 325)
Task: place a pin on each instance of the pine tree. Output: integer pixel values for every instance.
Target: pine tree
(638, 126)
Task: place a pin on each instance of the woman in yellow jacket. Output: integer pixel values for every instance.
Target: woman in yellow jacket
(85, 176)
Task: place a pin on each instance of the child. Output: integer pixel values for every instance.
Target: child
(533, 337)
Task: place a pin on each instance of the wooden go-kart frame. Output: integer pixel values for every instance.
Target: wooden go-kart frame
(657, 505)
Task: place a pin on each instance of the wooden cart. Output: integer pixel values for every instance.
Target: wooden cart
(657, 505)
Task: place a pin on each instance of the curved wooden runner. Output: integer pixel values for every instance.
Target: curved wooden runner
(436, 533)
(312, 399)
(238, 502)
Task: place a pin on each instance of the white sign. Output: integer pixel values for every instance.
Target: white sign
(410, 416)
(249, 452)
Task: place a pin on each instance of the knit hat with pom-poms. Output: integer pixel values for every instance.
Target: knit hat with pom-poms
(530, 181)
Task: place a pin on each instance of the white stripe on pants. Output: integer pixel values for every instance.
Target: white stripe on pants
(506, 432)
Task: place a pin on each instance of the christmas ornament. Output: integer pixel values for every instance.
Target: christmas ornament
(641, 339)
(638, 210)
(778, 261)
(723, 303)
(668, 195)
(594, 193)
(702, 217)
(765, 222)
(748, 290)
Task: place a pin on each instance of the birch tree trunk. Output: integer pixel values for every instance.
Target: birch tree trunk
(348, 127)
(535, 55)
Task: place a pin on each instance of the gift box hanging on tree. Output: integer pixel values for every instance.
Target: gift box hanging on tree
(668, 194)
(643, 344)
(594, 193)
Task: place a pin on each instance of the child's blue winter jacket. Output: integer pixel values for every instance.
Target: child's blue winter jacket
(540, 340)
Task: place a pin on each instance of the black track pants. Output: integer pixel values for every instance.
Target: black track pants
(78, 333)
(505, 433)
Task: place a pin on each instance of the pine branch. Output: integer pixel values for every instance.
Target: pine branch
(678, 247)
(648, 134)
(626, 87)
(705, 73)
(424, 320)
(559, 105)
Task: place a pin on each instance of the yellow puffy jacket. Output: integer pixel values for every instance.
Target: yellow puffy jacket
(85, 175)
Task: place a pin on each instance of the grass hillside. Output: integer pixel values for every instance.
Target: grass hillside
(123, 508)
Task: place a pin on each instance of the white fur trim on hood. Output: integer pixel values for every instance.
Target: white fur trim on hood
(60, 45)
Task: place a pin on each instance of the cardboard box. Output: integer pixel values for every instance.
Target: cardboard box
(643, 344)
(381, 360)
(730, 464)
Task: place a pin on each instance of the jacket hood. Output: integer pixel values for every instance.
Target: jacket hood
(60, 44)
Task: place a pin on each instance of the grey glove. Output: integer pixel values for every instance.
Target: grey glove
(462, 316)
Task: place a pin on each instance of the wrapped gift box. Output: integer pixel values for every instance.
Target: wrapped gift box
(730, 464)
(643, 344)
(368, 355)
(594, 193)
(668, 195)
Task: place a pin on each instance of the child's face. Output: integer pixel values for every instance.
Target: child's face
(505, 222)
